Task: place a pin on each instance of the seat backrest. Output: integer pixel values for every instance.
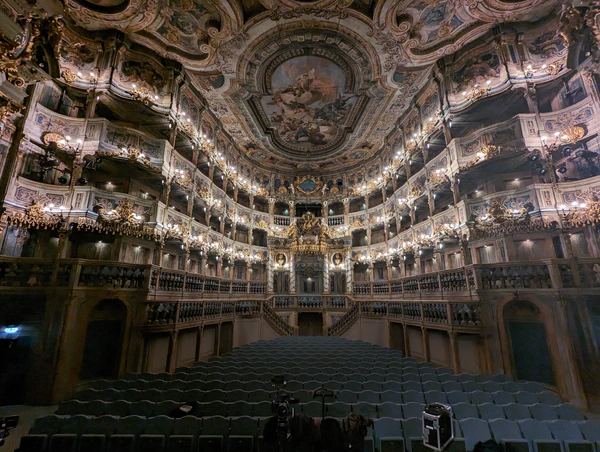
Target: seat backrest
(412, 428)
(569, 412)
(565, 430)
(244, 426)
(413, 396)
(75, 424)
(503, 429)
(534, 429)
(465, 411)
(215, 425)
(159, 425)
(435, 397)
(516, 411)
(544, 412)
(503, 397)
(391, 396)
(590, 429)
(490, 411)
(413, 409)
(187, 425)
(526, 398)
(387, 427)
(480, 397)
(387, 409)
(457, 397)
(474, 431)
(103, 425)
(132, 425)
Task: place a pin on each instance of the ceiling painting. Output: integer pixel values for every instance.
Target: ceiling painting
(309, 87)
(309, 103)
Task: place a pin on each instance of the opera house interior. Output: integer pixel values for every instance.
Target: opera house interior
(396, 201)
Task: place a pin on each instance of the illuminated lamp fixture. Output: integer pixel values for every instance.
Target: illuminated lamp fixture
(56, 141)
(529, 71)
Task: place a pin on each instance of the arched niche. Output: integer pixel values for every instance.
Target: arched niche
(104, 340)
(527, 342)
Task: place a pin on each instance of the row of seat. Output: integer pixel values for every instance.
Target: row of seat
(134, 433)
(399, 410)
(348, 396)
(344, 374)
(357, 383)
(158, 434)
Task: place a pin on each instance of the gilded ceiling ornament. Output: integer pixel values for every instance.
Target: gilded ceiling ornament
(8, 108)
(308, 235)
(54, 138)
(439, 177)
(552, 68)
(37, 216)
(571, 24)
(586, 212)
(122, 216)
(572, 134)
(68, 75)
(308, 185)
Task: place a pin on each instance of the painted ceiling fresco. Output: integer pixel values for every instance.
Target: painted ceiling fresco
(308, 103)
(313, 85)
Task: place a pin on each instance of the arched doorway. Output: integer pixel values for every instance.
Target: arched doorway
(528, 342)
(104, 340)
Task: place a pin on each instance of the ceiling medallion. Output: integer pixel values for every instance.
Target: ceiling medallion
(308, 185)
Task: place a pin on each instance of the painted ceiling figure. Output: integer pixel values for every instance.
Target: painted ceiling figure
(309, 108)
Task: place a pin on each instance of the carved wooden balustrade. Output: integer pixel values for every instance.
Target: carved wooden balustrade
(444, 314)
(469, 281)
(168, 280)
(83, 274)
(310, 302)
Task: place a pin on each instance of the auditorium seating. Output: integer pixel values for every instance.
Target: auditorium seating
(234, 394)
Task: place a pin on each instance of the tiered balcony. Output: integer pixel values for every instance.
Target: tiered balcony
(473, 280)
(92, 275)
(520, 132)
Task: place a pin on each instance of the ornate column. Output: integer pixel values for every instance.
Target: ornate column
(326, 285)
(431, 202)
(466, 253)
(159, 254)
(455, 188)
(292, 205)
(270, 273)
(235, 194)
(219, 267)
(190, 204)
(388, 267)
(272, 211)
(202, 269)
(292, 274)
(349, 268)
(324, 211)
(186, 257)
(63, 239)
